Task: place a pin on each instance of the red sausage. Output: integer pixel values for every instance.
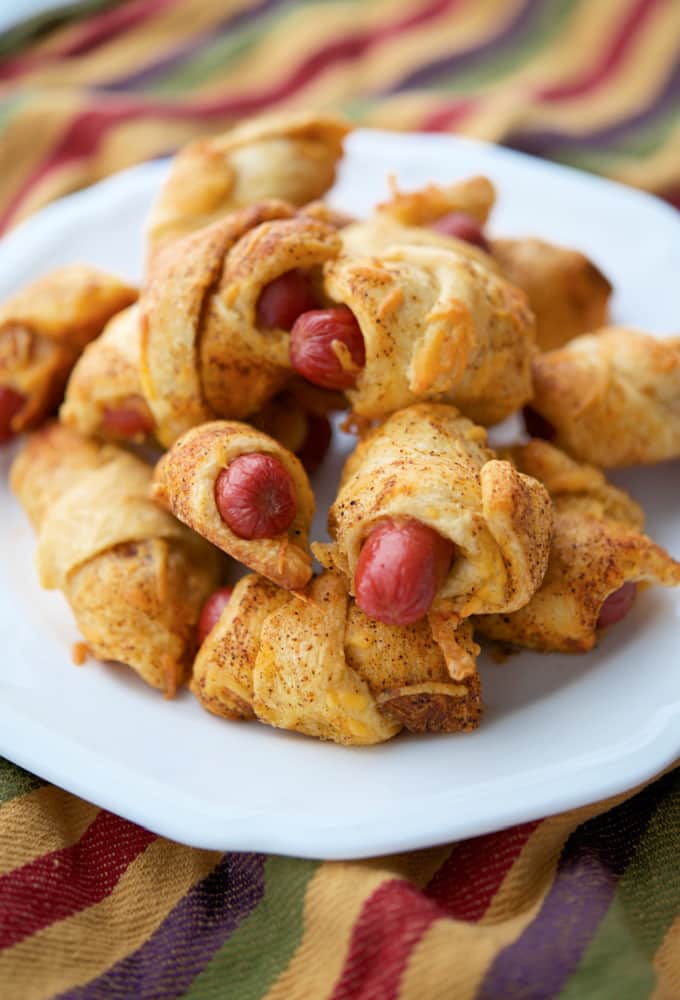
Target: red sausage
(284, 299)
(536, 425)
(463, 227)
(11, 402)
(256, 497)
(316, 443)
(327, 347)
(128, 420)
(401, 567)
(212, 609)
(617, 605)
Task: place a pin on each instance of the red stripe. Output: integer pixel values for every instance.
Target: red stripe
(395, 918)
(610, 59)
(448, 116)
(392, 922)
(102, 27)
(62, 883)
(472, 874)
(83, 136)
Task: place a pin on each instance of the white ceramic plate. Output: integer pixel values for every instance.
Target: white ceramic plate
(558, 731)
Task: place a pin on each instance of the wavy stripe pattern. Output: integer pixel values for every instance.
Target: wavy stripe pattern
(584, 904)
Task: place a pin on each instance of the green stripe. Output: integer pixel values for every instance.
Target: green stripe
(495, 65)
(261, 948)
(14, 781)
(618, 960)
(29, 30)
(223, 51)
(638, 145)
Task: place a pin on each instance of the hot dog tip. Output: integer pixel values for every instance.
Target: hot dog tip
(284, 299)
(402, 565)
(255, 496)
(327, 347)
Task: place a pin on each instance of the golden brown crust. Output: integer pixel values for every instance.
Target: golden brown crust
(222, 678)
(436, 325)
(135, 579)
(106, 377)
(613, 397)
(597, 546)
(291, 155)
(184, 482)
(202, 353)
(567, 293)
(475, 196)
(45, 326)
(315, 664)
(429, 463)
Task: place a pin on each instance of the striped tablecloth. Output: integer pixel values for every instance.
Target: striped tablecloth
(581, 905)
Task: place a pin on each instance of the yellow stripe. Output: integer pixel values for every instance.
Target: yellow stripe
(131, 50)
(313, 27)
(29, 138)
(73, 951)
(41, 822)
(629, 88)
(333, 903)
(667, 965)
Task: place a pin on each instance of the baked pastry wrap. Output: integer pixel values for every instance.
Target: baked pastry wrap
(184, 482)
(134, 577)
(436, 325)
(429, 463)
(315, 664)
(290, 155)
(203, 354)
(106, 382)
(567, 293)
(598, 545)
(612, 397)
(44, 328)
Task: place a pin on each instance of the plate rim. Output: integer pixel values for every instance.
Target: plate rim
(19, 733)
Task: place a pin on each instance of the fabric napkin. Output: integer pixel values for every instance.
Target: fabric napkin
(580, 905)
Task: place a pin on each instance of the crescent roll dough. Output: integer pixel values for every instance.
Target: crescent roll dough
(315, 664)
(44, 328)
(105, 378)
(429, 463)
(613, 397)
(474, 195)
(436, 325)
(135, 578)
(291, 156)
(184, 482)
(597, 546)
(203, 354)
(567, 293)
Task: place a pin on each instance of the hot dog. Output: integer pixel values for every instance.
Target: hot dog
(462, 226)
(617, 605)
(284, 299)
(327, 347)
(255, 496)
(212, 609)
(129, 420)
(401, 567)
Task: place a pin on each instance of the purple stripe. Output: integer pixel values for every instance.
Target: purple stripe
(539, 963)
(168, 962)
(426, 75)
(150, 72)
(550, 141)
